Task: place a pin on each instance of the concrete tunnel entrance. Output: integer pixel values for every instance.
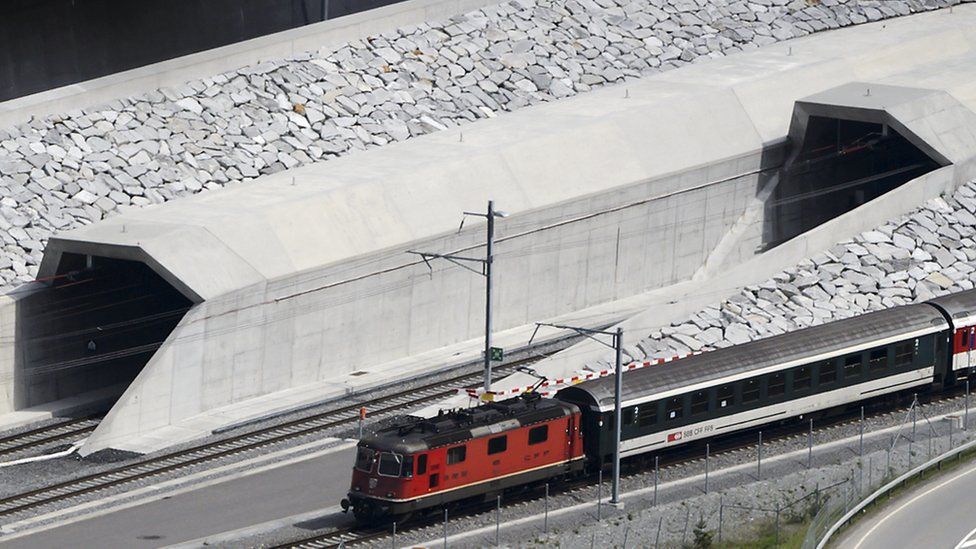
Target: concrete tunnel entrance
(838, 166)
(92, 329)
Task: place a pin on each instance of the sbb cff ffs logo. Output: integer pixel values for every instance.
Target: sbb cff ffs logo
(679, 435)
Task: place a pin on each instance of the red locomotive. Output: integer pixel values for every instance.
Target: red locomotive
(424, 463)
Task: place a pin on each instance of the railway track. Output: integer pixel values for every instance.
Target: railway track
(380, 407)
(682, 455)
(64, 432)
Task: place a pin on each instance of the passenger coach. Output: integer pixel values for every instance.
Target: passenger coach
(766, 381)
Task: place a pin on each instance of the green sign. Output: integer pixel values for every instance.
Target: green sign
(497, 354)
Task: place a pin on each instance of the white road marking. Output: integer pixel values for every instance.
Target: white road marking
(911, 501)
(966, 542)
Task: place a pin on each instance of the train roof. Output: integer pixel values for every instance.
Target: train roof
(772, 353)
(414, 434)
(960, 306)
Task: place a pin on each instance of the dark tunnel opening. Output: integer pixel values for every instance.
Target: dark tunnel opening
(842, 165)
(90, 331)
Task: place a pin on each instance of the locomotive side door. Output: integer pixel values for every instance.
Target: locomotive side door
(571, 426)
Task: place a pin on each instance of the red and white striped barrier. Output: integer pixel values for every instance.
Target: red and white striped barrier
(478, 393)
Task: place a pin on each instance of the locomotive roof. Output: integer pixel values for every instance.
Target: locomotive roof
(780, 351)
(960, 306)
(414, 434)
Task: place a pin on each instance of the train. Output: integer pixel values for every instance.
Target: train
(415, 465)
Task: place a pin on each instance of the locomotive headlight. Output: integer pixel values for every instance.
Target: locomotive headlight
(390, 494)
(357, 489)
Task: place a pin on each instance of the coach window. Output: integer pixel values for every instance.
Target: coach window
(905, 353)
(699, 402)
(421, 464)
(750, 390)
(801, 378)
(776, 385)
(630, 415)
(878, 360)
(456, 454)
(674, 407)
(828, 373)
(647, 414)
(852, 366)
(538, 435)
(725, 395)
(497, 445)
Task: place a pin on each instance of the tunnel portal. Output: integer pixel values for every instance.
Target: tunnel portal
(92, 328)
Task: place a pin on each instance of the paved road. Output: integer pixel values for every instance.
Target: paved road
(238, 503)
(937, 514)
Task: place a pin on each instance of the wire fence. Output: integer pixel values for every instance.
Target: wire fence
(919, 439)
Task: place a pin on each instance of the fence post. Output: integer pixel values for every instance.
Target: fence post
(810, 445)
(721, 508)
(655, 479)
(393, 543)
(777, 523)
(599, 495)
(817, 496)
(860, 447)
(498, 518)
(545, 520)
(626, 535)
(707, 448)
(914, 414)
(684, 533)
(657, 536)
(445, 528)
(759, 458)
(965, 419)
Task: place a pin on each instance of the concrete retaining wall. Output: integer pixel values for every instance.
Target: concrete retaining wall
(549, 262)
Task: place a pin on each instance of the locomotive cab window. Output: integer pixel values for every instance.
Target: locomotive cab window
(538, 435)
(852, 366)
(878, 360)
(390, 464)
(699, 402)
(408, 466)
(674, 408)
(497, 445)
(421, 464)
(725, 396)
(456, 454)
(364, 459)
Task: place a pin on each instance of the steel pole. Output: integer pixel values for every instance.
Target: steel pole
(617, 416)
(488, 257)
